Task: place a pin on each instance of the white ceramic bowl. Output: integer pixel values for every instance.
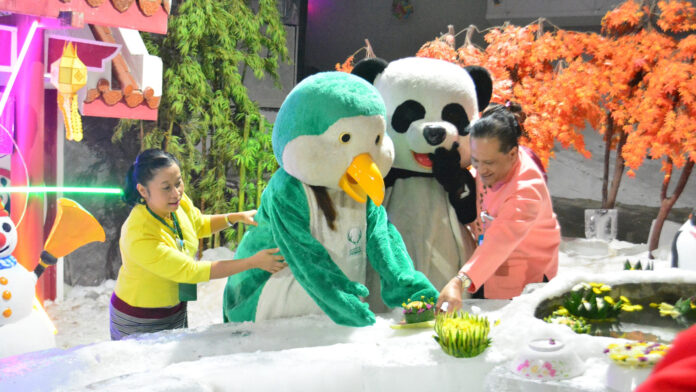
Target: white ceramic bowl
(625, 378)
(547, 359)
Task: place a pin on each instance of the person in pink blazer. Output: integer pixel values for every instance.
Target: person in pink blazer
(520, 235)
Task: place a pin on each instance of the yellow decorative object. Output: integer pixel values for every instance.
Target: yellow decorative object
(69, 74)
(461, 334)
(636, 354)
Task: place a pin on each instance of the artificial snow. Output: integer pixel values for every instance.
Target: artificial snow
(311, 353)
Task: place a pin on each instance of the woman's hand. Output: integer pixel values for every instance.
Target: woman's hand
(267, 260)
(450, 299)
(246, 217)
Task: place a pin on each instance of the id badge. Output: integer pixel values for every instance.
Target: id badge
(180, 244)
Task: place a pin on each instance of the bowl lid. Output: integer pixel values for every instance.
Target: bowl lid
(546, 345)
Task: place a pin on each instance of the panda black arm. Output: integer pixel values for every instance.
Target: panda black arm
(463, 200)
(458, 183)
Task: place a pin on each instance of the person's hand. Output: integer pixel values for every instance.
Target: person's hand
(446, 169)
(246, 217)
(450, 299)
(268, 260)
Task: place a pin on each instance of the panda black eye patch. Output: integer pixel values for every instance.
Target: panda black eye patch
(454, 113)
(405, 114)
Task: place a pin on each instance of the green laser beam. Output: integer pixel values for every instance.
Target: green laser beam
(57, 189)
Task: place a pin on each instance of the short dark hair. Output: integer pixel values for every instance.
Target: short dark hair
(146, 165)
(502, 122)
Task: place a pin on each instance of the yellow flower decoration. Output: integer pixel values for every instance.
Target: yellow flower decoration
(631, 308)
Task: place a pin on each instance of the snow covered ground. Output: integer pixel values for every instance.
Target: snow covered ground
(83, 316)
(311, 353)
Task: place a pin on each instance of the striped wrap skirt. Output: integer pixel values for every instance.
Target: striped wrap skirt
(126, 320)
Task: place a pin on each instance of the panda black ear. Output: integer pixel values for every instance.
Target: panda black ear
(484, 84)
(368, 69)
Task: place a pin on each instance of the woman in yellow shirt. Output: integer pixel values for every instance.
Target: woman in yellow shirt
(159, 240)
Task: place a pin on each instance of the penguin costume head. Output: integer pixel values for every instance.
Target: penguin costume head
(339, 118)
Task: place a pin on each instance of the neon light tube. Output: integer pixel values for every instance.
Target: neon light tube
(56, 189)
(18, 64)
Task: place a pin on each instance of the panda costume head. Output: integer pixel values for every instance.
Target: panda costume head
(429, 105)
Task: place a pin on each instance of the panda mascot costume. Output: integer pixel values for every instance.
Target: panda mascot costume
(430, 196)
(684, 245)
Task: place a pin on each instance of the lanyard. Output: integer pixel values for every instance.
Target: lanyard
(176, 229)
(486, 218)
(484, 211)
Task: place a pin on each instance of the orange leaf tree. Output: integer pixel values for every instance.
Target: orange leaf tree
(634, 84)
(666, 116)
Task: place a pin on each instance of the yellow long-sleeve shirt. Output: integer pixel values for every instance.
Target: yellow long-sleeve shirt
(153, 266)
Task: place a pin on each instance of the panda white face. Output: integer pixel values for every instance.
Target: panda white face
(429, 105)
(8, 236)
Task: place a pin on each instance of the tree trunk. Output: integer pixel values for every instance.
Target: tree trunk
(666, 203)
(619, 166)
(609, 134)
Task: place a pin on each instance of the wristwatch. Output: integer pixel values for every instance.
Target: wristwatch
(227, 220)
(466, 282)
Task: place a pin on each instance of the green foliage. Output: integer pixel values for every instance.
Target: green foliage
(593, 301)
(462, 335)
(638, 266)
(206, 118)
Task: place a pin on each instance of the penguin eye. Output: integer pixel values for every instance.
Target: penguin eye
(6, 227)
(378, 139)
(345, 137)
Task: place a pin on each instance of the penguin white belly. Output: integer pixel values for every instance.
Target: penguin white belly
(420, 210)
(686, 247)
(282, 296)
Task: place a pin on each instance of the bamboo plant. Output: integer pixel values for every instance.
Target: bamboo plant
(206, 118)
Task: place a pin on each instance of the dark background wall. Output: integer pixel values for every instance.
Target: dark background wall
(95, 161)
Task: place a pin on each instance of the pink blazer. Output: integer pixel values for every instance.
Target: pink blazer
(520, 245)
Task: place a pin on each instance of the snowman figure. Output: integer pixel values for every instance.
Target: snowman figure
(24, 326)
(16, 283)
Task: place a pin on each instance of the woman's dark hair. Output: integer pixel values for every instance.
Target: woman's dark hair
(146, 164)
(502, 122)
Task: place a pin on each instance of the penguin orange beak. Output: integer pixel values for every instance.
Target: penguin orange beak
(362, 179)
